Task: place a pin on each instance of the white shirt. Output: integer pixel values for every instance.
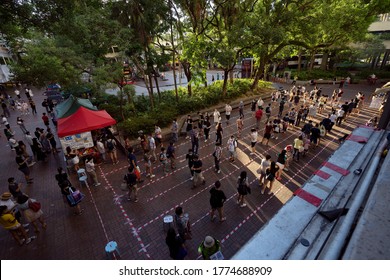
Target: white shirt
(264, 164)
(152, 143)
(231, 145)
(5, 121)
(89, 166)
(254, 136)
(332, 117)
(340, 113)
(100, 147)
(217, 115)
(228, 109)
(29, 139)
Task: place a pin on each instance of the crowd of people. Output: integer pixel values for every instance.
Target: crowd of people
(310, 115)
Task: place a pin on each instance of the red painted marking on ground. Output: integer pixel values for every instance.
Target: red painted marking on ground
(336, 168)
(312, 199)
(322, 174)
(132, 227)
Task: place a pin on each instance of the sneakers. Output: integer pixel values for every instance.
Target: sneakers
(243, 205)
(136, 200)
(152, 176)
(28, 241)
(97, 185)
(213, 218)
(223, 219)
(285, 169)
(31, 164)
(262, 191)
(192, 178)
(219, 171)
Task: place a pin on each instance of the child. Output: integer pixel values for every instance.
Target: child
(148, 165)
(164, 160)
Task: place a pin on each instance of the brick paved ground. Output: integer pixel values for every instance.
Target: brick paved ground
(138, 227)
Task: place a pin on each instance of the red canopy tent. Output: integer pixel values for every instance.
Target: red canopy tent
(84, 120)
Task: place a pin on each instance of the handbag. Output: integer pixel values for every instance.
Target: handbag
(270, 177)
(34, 205)
(74, 197)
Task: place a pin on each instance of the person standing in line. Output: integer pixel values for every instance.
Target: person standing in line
(228, 111)
(219, 133)
(254, 136)
(183, 225)
(164, 160)
(20, 122)
(23, 167)
(6, 111)
(111, 150)
(271, 175)
(298, 147)
(195, 140)
(45, 119)
(30, 215)
(241, 109)
(267, 132)
(171, 155)
(190, 159)
(232, 146)
(52, 141)
(198, 176)
(175, 243)
(217, 199)
(152, 147)
(9, 222)
(101, 149)
(340, 116)
(175, 131)
(217, 154)
(209, 247)
(23, 150)
(131, 180)
(17, 93)
(281, 107)
(242, 189)
(268, 112)
(91, 171)
(217, 116)
(281, 161)
(264, 165)
(240, 126)
(253, 106)
(29, 140)
(148, 165)
(206, 129)
(189, 126)
(158, 135)
(258, 116)
(315, 134)
(132, 160)
(33, 107)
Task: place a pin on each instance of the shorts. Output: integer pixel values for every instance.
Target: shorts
(313, 140)
(253, 144)
(25, 170)
(281, 166)
(267, 135)
(228, 117)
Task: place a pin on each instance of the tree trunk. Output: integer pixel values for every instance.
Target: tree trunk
(157, 87)
(187, 72)
(324, 62)
(151, 97)
(312, 53)
(259, 72)
(225, 79)
(299, 61)
(121, 103)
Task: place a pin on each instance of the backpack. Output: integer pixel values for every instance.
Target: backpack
(268, 110)
(110, 145)
(162, 157)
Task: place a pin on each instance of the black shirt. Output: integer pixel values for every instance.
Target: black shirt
(21, 162)
(198, 164)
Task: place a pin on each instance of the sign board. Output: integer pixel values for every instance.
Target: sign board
(77, 141)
